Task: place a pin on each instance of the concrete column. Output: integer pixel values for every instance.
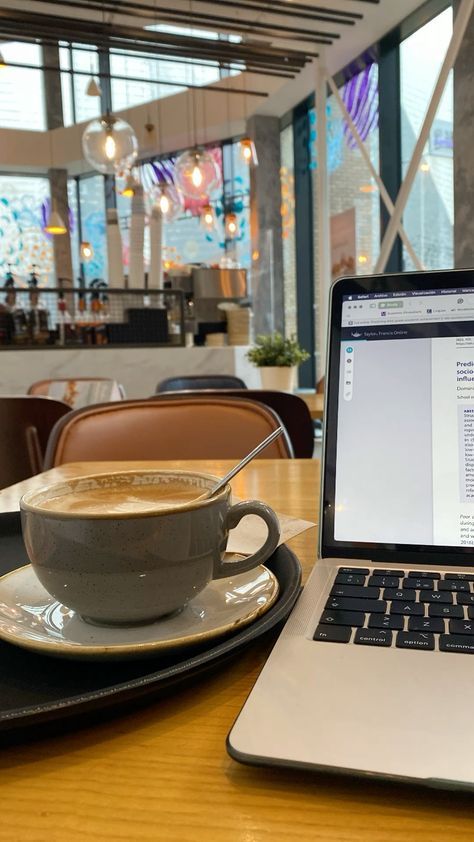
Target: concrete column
(464, 150)
(57, 177)
(265, 226)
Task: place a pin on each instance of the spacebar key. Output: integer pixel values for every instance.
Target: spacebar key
(375, 606)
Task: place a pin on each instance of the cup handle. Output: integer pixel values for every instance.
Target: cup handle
(223, 569)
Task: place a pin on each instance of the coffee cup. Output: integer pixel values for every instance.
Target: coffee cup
(132, 546)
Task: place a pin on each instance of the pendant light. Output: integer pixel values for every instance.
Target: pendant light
(55, 224)
(168, 200)
(109, 144)
(248, 152)
(129, 186)
(231, 225)
(93, 88)
(86, 251)
(197, 173)
(208, 218)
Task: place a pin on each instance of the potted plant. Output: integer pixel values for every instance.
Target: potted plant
(278, 358)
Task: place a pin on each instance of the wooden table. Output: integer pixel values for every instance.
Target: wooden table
(163, 773)
(315, 403)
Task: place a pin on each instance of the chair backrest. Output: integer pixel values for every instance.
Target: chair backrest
(166, 428)
(25, 425)
(207, 381)
(79, 391)
(292, 410)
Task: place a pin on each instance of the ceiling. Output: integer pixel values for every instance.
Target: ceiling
(272, 38)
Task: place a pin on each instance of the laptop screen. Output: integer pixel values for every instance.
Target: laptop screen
(399, 458)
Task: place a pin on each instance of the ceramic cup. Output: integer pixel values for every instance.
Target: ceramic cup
(123, 567)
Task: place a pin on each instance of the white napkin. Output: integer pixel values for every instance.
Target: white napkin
(251, 532)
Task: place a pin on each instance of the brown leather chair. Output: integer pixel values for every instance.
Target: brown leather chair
(169, 428)
(79, 391)
(292, 410)
(25, 425)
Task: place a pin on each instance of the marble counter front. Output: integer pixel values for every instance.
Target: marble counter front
(139, 370)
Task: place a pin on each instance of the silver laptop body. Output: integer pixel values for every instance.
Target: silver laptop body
(371, 674)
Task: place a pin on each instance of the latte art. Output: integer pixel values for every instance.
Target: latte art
(128, 499)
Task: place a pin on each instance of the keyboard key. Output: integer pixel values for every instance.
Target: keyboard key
(407, 608)
(373, 637)
(465, 577)
(470, 612)
(333, 634)
(364, 571)
(456, 643)
(423, 574)
(435, 597)
(406, 594)
(419, 584)
(383, 581)
(343, 618)
(349, 579)
(446, 611)
(375, 606)
(381, 572)
(385, 621)
(355, 590)
(465, 599)
(426, 624)
(461, 626)
(453, 585)
(415, 640)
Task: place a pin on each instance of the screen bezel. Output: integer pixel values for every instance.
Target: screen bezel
(395, 553)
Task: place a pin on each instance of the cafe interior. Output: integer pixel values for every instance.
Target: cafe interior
(180, 184)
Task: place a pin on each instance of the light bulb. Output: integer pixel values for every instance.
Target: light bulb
(87, 252)
(110, 147)
(231, 225)
(208, 218)
(196, 176)
(248, 151)
(164, 204)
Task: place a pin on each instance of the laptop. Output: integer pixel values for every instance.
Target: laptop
(371, 674)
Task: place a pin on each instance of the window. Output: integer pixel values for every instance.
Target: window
(354, 195)
(78, 107)
(24, 206)
(429, 213)
(21, 88)
(93, 225)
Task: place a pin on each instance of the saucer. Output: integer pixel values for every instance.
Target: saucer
(31, 618)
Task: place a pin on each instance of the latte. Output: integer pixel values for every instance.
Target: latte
(126, 499)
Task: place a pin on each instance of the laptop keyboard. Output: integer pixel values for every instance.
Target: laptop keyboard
(403, 609)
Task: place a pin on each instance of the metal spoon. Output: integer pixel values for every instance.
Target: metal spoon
(235, 470)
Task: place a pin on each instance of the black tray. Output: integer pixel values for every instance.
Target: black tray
(36, 689)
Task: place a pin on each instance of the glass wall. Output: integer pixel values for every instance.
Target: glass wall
(429, 213)
(24, 205)
(21, 88)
